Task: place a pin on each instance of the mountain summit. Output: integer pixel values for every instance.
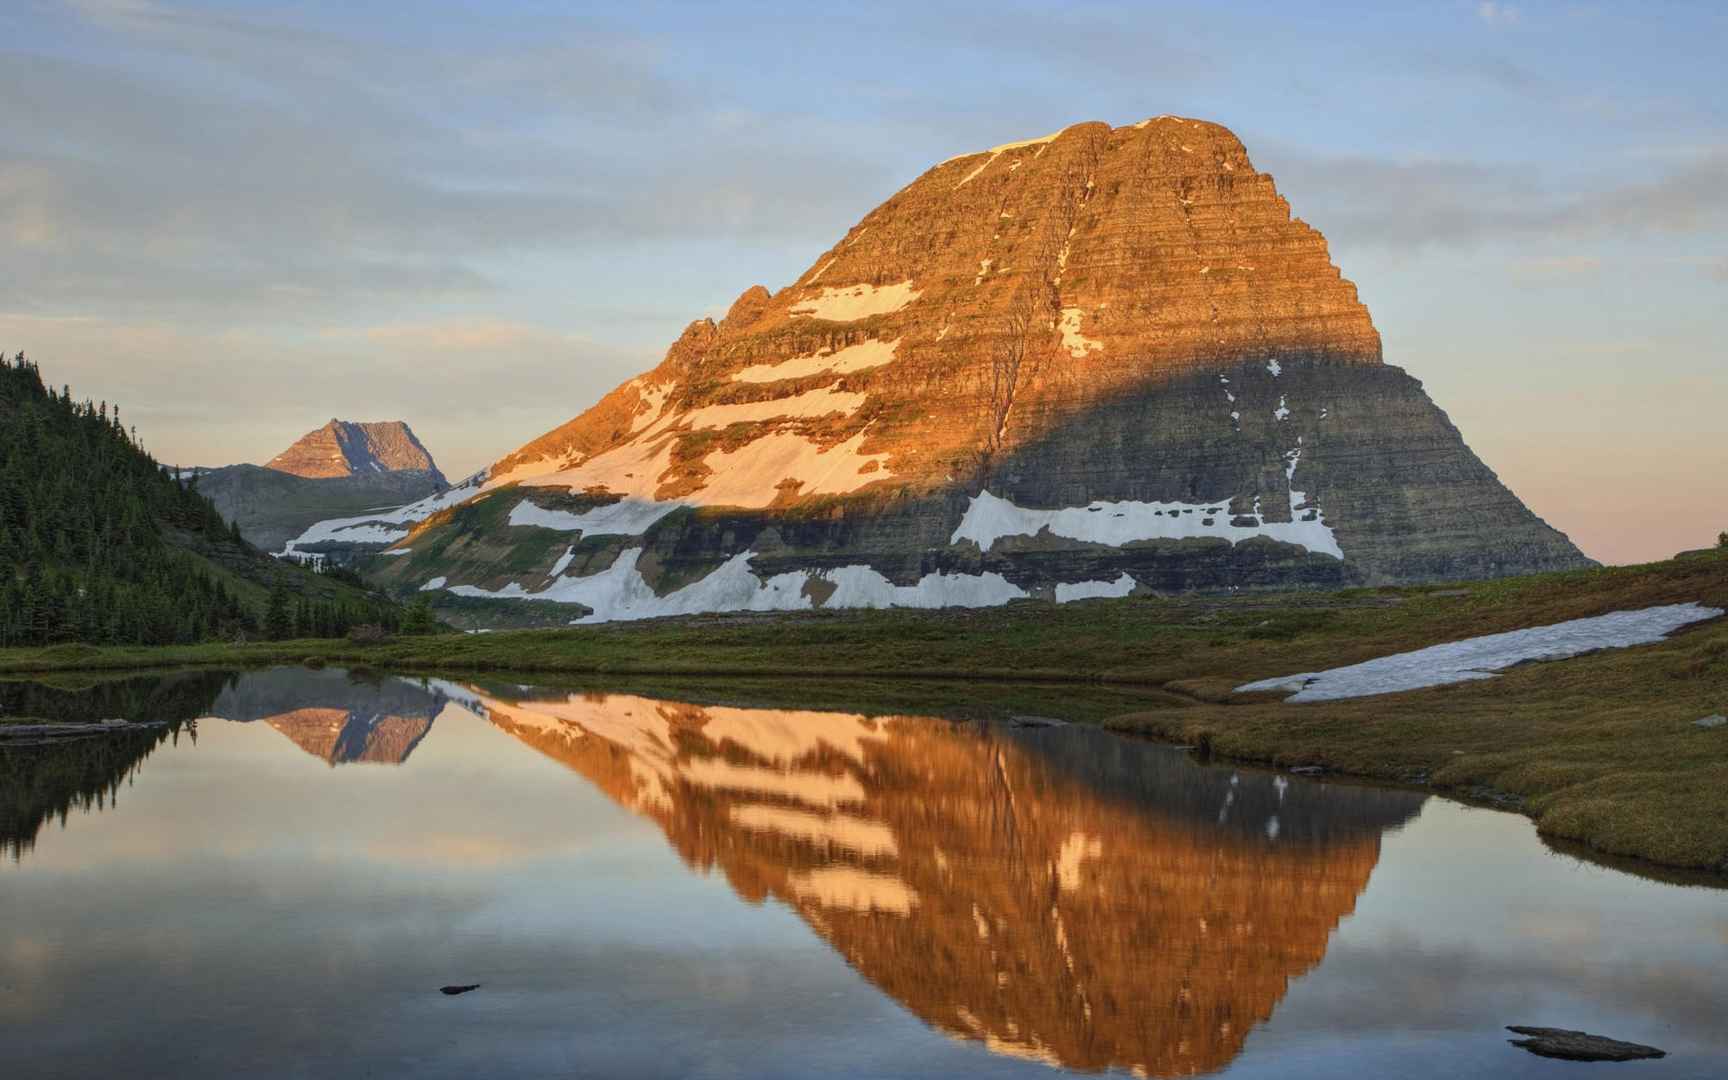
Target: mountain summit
(1099, 362)
(347, 448)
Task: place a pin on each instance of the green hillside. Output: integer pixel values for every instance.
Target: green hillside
(99, 544)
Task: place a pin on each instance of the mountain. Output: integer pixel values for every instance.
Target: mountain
(100, 544)
(342, 468)
(1100, 362)
(347, 448)
(272, 508)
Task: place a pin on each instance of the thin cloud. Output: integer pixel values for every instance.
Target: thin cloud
(1411, 205)
(1555, 267)
(1497, 14)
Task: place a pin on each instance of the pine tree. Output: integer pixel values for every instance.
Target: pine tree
(94, 534)
(278, 624)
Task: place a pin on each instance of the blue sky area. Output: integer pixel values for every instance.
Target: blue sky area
(241, 219)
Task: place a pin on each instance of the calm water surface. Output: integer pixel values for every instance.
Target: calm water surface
(650, 887)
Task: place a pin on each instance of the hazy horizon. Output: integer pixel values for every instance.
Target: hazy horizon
(239, 220)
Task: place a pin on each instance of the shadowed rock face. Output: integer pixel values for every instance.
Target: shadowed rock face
(1062, 894)
(272, 507)
(347, 448)
(1100, 362)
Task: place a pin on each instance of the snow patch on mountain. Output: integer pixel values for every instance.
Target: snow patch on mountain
(825, 401)
(989, 518)
(860, 357)
(620, 593)
(751, 476)
(386, 526)
(849, 303)
(626, 517)
(1077, 344)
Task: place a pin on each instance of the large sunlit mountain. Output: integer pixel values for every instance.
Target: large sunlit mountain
(1100, 362)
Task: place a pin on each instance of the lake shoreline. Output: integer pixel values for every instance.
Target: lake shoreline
(1600, 750)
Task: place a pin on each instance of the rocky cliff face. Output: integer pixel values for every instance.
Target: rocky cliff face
(1064, 895)
(347, 448)
(1103, 361)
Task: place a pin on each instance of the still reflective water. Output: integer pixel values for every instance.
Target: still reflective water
(654, 887)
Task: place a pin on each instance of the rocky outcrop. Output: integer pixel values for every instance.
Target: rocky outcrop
(348, 448)
(1057, 893)
(1104, 361)
(1568, 1045)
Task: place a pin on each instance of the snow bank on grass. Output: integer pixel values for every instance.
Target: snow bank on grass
(1087, 590)
(989, 518)
(1480, 657)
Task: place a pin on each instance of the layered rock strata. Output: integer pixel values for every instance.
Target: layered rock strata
(1101, 362)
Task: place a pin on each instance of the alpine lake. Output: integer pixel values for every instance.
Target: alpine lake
(328, 873)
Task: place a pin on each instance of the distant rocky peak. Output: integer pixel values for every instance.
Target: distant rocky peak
(351, 448)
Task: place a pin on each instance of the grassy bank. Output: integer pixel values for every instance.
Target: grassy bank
(1601, 750)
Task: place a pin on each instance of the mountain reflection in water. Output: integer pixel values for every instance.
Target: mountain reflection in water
(1059, 894)
(334, 716)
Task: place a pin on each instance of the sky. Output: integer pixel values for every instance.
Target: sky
(239, 220)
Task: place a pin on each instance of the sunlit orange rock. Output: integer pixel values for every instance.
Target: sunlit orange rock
(1065, 895)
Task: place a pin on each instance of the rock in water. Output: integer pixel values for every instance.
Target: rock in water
(1095, 363)
(452, 991)
(1580, 1046)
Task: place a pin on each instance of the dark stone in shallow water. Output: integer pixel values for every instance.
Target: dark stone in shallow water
(452, 991)
(1580, 1046)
